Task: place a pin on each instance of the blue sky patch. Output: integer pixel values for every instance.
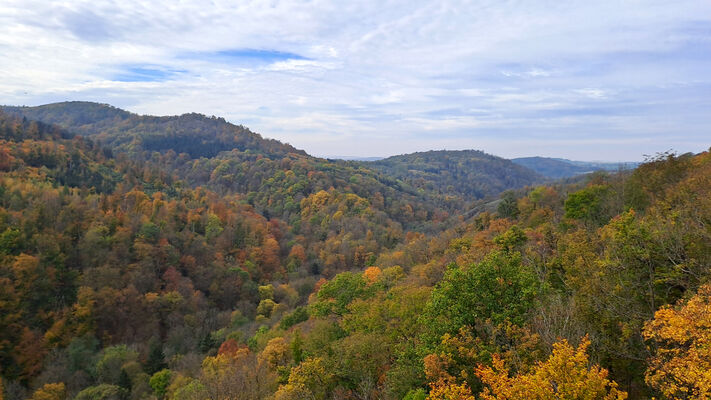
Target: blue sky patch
(244, 56)
(263, 55)
(144, 74)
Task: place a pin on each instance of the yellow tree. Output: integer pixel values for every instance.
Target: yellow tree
(51, 391)
(275, 354)
(309, 380)
(235, 373)
(371, 274)
(565, 375)
(449, 390)
(681, 365)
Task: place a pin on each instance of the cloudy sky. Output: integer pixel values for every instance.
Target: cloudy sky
(588, 80)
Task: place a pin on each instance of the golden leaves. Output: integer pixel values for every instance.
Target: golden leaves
(681, 366)
(565, 375)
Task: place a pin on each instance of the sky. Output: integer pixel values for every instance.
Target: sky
(587, 80)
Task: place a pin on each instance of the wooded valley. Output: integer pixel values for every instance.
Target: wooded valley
(188, 258)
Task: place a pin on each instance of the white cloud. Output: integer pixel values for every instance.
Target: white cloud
(300, 65)
(592, 93)
(508, 72)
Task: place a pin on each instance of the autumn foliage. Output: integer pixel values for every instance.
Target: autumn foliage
(185, 258)
(681, 364)
(565, 375)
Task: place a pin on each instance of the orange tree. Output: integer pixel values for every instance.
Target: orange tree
(681, 365)
(565, 375)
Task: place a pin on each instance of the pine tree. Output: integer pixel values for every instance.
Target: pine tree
(156, 358)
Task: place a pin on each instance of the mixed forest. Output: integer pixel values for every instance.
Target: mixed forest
(188, 258)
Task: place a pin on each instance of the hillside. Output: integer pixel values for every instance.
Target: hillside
(578, 285)
(118, 280)
(194, 134)
(131, 273)
(468, 173)
(200, 151)
(98, 250)
(557, 168)
(207, 151)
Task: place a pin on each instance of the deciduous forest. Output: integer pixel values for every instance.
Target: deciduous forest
(188, 258)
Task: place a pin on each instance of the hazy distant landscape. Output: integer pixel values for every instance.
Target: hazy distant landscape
(358, 201)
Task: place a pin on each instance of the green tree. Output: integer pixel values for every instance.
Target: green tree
(101, 392)
(508, 207)
(588, 204)
(156, 358)
(159, 382)
(500, 288)
(109, 367)
(512, 239)
(335, 295)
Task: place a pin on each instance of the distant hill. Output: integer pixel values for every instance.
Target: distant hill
(354, 158)
(195, 134)
(557, 168)
(469, 173)
(229, 160)
(193, 150)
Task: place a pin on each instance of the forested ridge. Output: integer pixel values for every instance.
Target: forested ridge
(209, 152)
(468, 173)
(138, 263)
(194, 134)
(556, 168)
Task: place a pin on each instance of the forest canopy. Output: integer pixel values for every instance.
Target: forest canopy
(188, 258)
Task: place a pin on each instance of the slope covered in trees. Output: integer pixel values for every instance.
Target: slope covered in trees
(194, 134)
(209, 152)
(99, 251)
(197, 151)
(468, 173)
(129, 273)
(520, 304)
(557, 168)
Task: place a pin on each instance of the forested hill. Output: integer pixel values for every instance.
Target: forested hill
(468, 173)
(194, 134)
(557, 168)
(128, 273)
(196, 150)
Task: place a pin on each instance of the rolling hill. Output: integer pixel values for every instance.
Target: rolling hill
(467, 173)
(132, 269)
(557, 168)
(209, 151)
